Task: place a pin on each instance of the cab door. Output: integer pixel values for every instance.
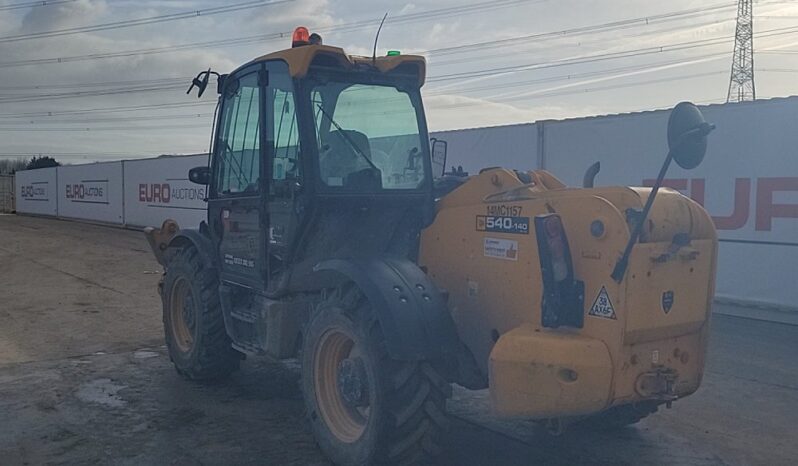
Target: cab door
(286, 191)
(235, 210)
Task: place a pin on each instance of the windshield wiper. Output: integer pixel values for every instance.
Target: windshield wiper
(346, 137)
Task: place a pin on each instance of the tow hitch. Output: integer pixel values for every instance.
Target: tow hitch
(658, 384)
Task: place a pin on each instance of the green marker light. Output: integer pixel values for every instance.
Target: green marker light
(394, 53)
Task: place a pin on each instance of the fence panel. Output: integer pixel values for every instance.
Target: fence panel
(91, 192)
(157, 189)
(36, 191)
(7, 193)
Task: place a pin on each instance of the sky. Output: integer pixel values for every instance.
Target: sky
(92, 80)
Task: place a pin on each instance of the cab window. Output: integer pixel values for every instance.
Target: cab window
(283, 129)
(368, 136)
(238, 146)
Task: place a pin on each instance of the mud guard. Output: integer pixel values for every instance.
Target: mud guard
(170, 235)
(201, 242)
(410, 308)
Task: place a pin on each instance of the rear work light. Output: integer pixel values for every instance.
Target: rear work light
(563, 297)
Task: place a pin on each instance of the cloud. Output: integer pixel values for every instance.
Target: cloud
(63, 15)
(448, 107)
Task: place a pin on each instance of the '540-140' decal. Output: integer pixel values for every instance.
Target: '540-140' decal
(500, 224)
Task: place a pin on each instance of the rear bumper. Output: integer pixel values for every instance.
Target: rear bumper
(542, 375)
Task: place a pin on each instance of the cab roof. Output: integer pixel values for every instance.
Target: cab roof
(301, 58)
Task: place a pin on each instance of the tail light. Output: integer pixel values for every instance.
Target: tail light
(563, 296)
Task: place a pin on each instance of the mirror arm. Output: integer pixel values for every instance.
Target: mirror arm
(620, 267)
(700, 131)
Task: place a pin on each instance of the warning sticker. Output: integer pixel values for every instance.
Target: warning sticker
(501, 249)
(602, 306)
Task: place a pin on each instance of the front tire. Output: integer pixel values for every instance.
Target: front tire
(193, 322)
(365, 407)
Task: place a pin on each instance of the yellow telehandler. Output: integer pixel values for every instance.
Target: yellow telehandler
(334, 236)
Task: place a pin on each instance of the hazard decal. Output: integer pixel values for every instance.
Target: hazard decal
(602, 306)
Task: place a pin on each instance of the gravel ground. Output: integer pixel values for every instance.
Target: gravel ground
(85, 379)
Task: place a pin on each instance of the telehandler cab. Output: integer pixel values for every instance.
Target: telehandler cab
(331, 236)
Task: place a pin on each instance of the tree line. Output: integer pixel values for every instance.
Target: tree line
(11, 166)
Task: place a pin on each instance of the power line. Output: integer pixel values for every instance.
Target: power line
(111, 128)
(491, 43)
(603, 27)
(405, 18)
(510, 98)
(627, 37)
(92, 93)
(433, 92)
(142, 21)
(32, 87)
(490, 72)
(99, 155)
(180, 104)
(103, 110)
(572, 76)
(516, 98)
(107, 120)
(19, 6)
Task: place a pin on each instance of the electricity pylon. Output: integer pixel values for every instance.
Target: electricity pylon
(741, 84)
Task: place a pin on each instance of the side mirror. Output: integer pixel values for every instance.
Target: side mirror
(687, 145)
(200, 82)
(439, 150)
(200, 175)
(687, 135)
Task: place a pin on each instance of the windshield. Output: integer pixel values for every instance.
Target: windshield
(368, 137)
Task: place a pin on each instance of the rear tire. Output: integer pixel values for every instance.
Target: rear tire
(363, 406)
(193, 322)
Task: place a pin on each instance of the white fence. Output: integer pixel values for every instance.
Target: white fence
(135, 193)
(7, 194)
(37, 191)
(156, 189)
(748, 182)
(91, 192)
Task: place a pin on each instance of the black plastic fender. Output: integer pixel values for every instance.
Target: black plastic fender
(202, 243)
(409, 307)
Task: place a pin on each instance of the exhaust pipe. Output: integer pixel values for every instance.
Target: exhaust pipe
(590, 175)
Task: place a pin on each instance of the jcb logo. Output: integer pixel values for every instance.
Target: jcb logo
(766, 207)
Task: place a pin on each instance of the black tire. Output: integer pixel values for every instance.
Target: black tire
(406, 414)
(196, 337)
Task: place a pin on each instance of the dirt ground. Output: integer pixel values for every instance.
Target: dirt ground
(84, 379)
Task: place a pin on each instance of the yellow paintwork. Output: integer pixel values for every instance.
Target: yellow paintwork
(525, 355)
(299, 60)
(492, 297)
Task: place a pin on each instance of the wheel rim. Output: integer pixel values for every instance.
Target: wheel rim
(335, 355)
(182, 315)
